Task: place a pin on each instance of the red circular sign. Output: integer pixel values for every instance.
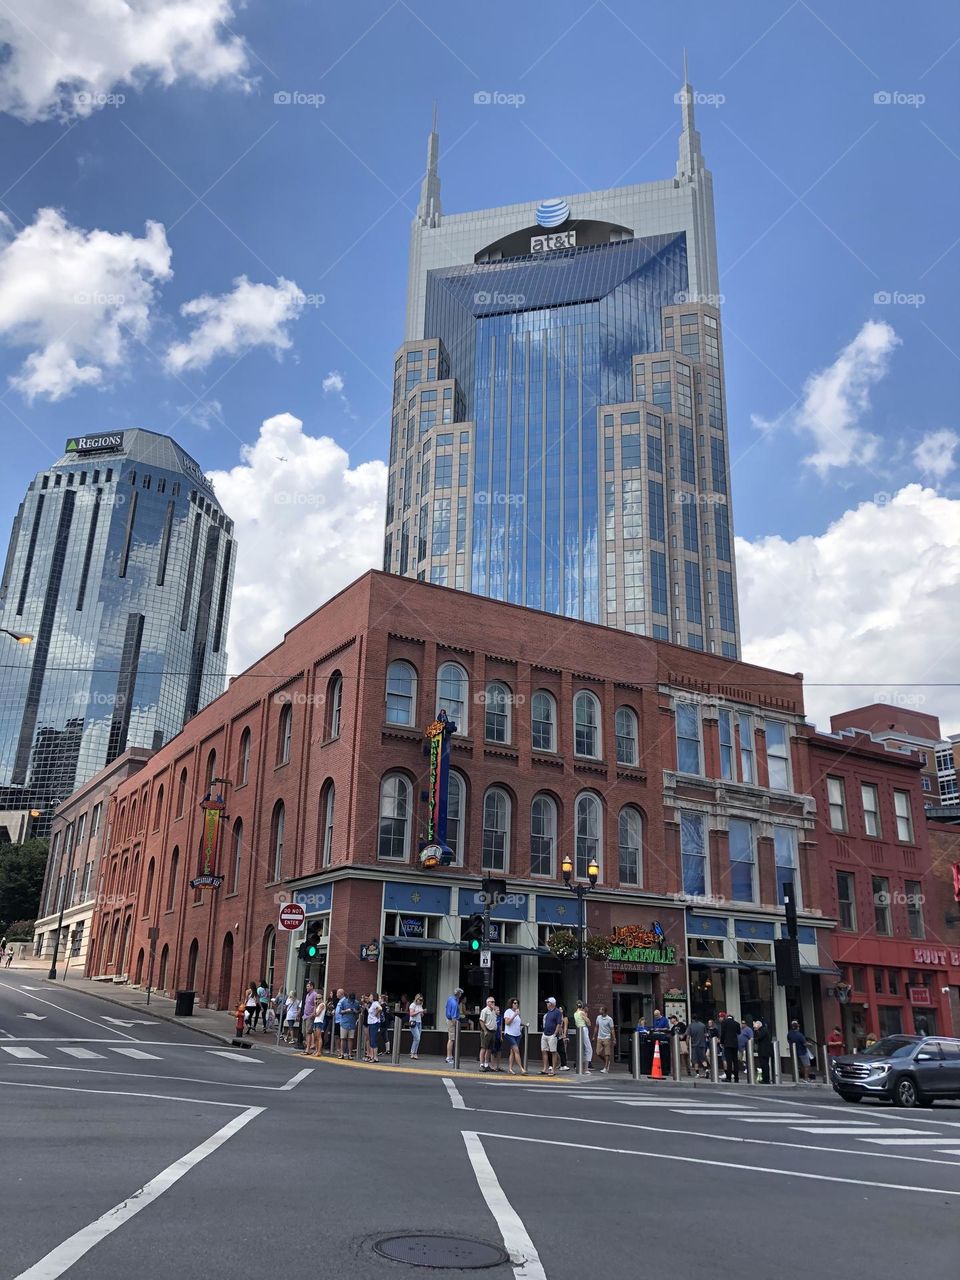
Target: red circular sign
(292, 915)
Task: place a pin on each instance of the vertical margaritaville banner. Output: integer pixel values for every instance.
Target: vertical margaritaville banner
(212, 809)
(435, 851)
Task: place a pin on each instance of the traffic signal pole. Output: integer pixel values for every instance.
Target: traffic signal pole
(486, 947)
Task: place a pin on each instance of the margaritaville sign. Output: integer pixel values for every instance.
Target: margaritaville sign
(643, 955)
(634, 945)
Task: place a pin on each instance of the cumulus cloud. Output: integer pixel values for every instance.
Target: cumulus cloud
(864, 609)
(252, 315)
(333, 382)
(75, 296)
(836, 399)
(66, 60)
(934, 455)
(306, 523)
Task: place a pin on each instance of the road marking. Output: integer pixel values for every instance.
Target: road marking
(122, 1022)
(291, 1083)
(721, 1164)
(113, 1093)
(60, 1259)
(729, 1112)
(952, 1151)
(456, 1101)
(839, 1130)
(76, 1052)
(905, 1142)
(69, 1012)
(789, 1120)
(523, 1253)
(239, 1057)
(133, 1053)
(21, 1051)
(37, 1017)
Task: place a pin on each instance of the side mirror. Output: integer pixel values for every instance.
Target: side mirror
(924, 1057)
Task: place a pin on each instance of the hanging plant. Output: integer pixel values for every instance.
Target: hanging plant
(563, 943)
(597, 946)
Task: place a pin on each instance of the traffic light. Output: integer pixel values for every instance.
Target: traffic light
(313, 940)
(473, 933)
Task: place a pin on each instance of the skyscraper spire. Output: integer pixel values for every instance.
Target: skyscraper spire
(428, 210)
(690, 158)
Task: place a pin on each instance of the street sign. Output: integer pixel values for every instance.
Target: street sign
(485, 960)
(292, 916)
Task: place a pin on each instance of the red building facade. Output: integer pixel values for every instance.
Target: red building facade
(684, 774)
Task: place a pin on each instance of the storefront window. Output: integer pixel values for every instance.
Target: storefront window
(890, 1020)
(693, 854)
(707, 991)
(756, 996)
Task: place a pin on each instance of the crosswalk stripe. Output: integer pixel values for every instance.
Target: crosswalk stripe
(838, 1130)
(76, 1052)
(949, 1151)
(241, 1057)
(905, 1141)
(132, 1053)
(21, 1051)
(778, 1119)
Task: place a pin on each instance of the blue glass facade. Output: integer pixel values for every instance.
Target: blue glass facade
(537, 344)
(120, 568)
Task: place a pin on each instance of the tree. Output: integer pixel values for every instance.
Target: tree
(22, 868)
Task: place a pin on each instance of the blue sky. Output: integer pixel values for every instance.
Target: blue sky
(825, 198)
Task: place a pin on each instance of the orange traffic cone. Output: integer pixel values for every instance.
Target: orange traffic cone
(656, 1071)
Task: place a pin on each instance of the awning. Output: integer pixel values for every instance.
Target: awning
(819, 968)
(421, 944)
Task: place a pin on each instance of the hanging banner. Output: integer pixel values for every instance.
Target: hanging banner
(209, 843)
(438, 748)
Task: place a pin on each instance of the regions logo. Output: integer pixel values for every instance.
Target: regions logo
(551, 213)
(95, 444)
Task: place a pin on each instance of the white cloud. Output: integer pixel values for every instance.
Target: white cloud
(66, 59)
(934, 455)
(75, 296)
(306, 524)
(865, 609)
(836, 399)
(333, 382)
(253, 315)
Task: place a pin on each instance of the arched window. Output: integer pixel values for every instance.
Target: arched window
(334, 705)
(158, 808)
(543, 713)
(543, 836)
(172, 879)
(132, 824)
(138, 972)
(181, 792)
(237, 855)
(211, 771)
(627, 736)
(243, 759)
(122, 886)
(148, 889)
(452, 690)
(589, 820)
(328, 806)
(496, 713)
(395, 807)
(496, 829)
(284, 733)
(113, 941)
(586, 725)
(268, 957)
(122, 822)
(401, 693)
(456, 806)
(192, 957)
(276, 839)
(630, 842)
(162, 971)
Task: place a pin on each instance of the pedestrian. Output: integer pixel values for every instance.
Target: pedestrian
(321, 1020)
(641, 1028)
(743, 1039)
(498, 1042)
(309, 1009)
(605, 1039)
(415, 1015)
(291, 1012)
(697, 1036)
(337, 1011)
(660, 1023)
(763, 1051)
(263, 1001)
(583, 1024)
(679, 1044)
(349, 1012)
(562, 1036)
(549, 1040)
(385, 1035)
(729, 1038)
(835, 1042)
(374, 1012)
(251, 1004)
(488, 1032)
(512, 1030)
(795, 1036)
(452, 1012)
(8, 959)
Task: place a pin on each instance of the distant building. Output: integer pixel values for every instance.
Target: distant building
(120, 568)
(904, 729)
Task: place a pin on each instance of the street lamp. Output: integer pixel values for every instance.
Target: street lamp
(581, 890)
(21, 637)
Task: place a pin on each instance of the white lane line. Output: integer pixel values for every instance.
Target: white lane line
(721, 1164)
(905, 1142)
(237, 1057)
(787, 1120)
(21, 1051)
(839, 1131)
(951, 1151)
(456, 1101)
(146, 1075)
(721, 1111)
(122, 1034)
(60, 1259)
(523, 1253)
(75, 1052)
(292, 1082)
(133, 1053)
(114, 1093)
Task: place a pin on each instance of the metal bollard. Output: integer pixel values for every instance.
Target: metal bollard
(456, 1046)
(526, 1045)
(714, 1061)
(777, 1064)
(581, 1063)
(794, 1063)
(675, 1059)
(751, 1064)
(826, 1064)
(636, 1055)
(395, 1047)
(361, 1033)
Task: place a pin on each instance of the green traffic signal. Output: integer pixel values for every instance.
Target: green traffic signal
(474, 944)
(312, 951)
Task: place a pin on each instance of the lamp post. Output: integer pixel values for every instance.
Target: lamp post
(21, 637)
(581, 890)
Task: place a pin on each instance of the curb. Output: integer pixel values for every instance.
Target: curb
(435, 1072)
(163, 1017)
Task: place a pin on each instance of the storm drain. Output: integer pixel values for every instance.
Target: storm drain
(452, 1252)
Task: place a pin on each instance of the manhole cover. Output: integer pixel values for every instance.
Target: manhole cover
(441, 1251)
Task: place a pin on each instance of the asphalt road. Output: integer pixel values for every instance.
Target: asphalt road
(143, 1149)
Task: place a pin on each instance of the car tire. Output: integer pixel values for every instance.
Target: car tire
(850, 1097)
(905, 1093)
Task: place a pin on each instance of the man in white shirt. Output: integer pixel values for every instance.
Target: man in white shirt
(488, 1032)
(373, 1027)
(606, 1039)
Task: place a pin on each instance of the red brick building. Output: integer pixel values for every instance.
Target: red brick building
(685, 774)
(876, 878)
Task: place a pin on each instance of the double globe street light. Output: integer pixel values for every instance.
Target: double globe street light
(581, 890)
